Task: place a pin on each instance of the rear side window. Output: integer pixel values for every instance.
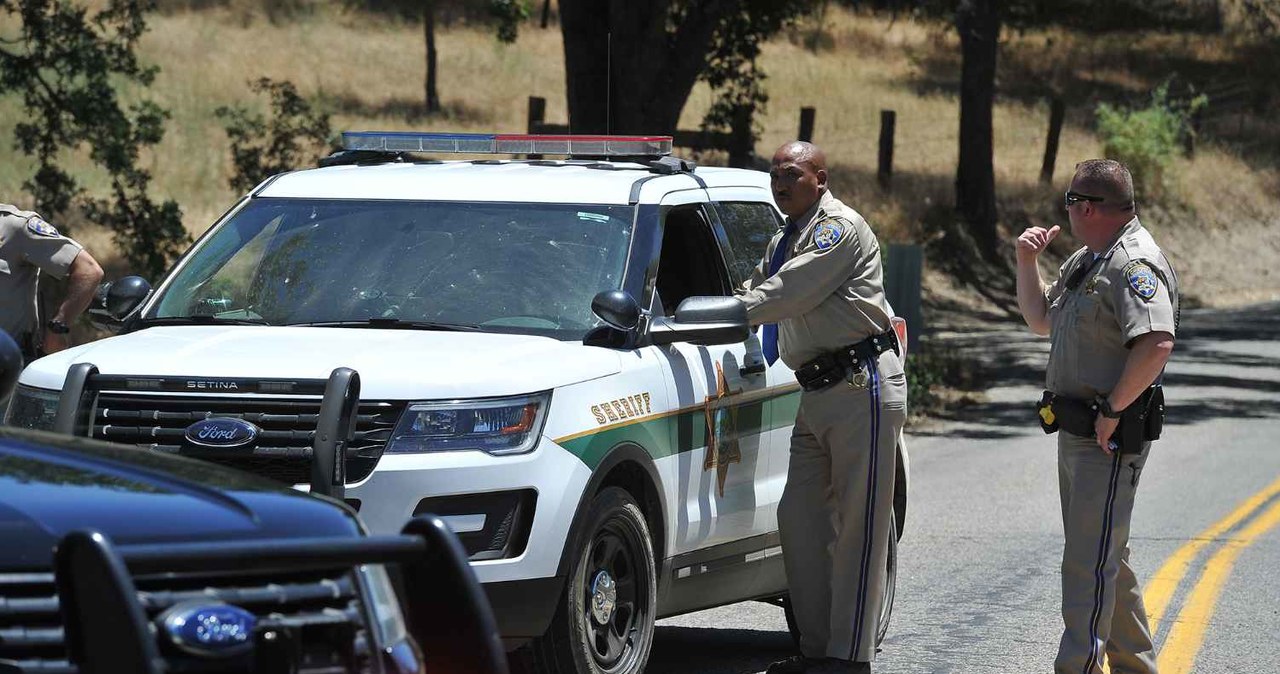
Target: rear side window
(749, 225)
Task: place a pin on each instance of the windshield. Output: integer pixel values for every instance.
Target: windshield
(529, 268)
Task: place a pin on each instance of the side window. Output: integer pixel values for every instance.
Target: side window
(749, 225)
(690, 263)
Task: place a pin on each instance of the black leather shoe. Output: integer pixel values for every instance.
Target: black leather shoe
(796, 664)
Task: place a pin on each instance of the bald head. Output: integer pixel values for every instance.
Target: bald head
(800, 152)
(798, 177)
(1108, 179)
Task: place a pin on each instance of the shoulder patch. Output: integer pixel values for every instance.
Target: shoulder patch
(1142, 280)
(36, 225)
(826, 235)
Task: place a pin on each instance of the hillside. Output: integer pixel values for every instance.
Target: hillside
(367, 71)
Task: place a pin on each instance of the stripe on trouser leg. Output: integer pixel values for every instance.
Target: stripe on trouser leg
(1104, 549)
(869, 524)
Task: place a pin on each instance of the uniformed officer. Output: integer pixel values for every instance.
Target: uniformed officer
(819, 294)
(1111, 316)
(28, 247)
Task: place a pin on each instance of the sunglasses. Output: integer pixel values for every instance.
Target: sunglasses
(1073, 198)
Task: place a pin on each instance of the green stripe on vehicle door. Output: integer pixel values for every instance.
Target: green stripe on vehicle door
(682, 430)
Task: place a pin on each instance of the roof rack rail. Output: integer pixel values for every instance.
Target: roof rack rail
(349, 157)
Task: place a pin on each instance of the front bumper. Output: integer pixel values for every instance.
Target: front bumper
(556, 478)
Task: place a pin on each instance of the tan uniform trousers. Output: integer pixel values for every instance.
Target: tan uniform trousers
(1101, 600)
(837, 510)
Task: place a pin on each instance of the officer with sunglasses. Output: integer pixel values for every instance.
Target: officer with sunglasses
(1111, 316)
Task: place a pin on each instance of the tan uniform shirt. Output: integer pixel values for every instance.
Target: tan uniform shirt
(1099, 305)
(28, 245)
(829, 292)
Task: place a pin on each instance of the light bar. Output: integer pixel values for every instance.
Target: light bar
(484, 143)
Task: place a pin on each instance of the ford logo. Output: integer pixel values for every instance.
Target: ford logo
(223, 432)
(209, 630)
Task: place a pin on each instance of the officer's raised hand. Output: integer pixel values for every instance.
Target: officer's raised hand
(1034, 240)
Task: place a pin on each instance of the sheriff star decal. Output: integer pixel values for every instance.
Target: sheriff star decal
(38, 226)
(722, 430)
(826, 235)
(1142, 281)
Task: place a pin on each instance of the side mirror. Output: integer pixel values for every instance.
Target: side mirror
(617, 308)
(705, 321)
(124, 295)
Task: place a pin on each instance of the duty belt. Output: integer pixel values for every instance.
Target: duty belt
(1139, 423)
(830, 368)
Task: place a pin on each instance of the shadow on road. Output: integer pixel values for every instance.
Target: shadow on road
(1220, 369)
(716, 651)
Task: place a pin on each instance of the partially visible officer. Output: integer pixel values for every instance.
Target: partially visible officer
(819, 293)
(29, 246)
(1111, 316)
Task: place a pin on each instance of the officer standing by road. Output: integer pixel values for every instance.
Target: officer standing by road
(28, 247)
(1111, 316)
(820, 296)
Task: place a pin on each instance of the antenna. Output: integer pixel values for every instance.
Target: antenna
(608, 85)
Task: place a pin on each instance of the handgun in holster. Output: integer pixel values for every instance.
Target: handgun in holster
(1140, 422)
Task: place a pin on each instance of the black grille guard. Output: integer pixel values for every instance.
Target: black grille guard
(334, 430)
(107, 631)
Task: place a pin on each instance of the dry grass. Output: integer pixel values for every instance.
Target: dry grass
(368, 72)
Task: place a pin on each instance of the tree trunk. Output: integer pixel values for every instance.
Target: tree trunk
(429, 32)
(546, 13)
(978, 22)
(624, 72)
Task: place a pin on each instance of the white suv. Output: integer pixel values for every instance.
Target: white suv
(549, 356)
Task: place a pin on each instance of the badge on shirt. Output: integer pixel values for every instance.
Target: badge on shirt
(826, 236)
(38, 226)
(1142, 281)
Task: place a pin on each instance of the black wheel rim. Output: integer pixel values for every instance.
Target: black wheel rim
(613, 557)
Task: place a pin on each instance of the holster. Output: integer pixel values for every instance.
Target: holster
(1140, 422)
(830, 368)
(30, 346)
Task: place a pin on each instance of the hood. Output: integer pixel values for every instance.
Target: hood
(393, 364)
(51, 485)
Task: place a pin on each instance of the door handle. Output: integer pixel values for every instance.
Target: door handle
(757, 368)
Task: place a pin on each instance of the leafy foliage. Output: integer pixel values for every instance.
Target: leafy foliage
(295, 134)
(1146, 139)
(731, 64)
(66, 65)
(508, 14)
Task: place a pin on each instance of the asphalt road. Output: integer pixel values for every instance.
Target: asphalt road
(978, 583)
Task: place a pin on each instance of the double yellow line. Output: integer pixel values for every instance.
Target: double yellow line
(1186, 636)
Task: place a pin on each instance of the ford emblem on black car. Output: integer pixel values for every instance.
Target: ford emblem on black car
(224, 432)
(209, 630)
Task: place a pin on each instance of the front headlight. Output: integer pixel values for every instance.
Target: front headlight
(34, 408)
(495, 425)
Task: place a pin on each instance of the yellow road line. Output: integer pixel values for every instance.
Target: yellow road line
(1166, 580)
(1178, 655)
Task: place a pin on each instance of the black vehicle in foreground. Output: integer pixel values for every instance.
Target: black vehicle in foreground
(120, 560)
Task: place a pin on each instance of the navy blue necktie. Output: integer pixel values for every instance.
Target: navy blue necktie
(770, 338)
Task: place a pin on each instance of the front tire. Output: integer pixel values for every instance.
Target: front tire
(604, 622)
(886, 599)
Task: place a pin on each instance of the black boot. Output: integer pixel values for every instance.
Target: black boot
(796, 664)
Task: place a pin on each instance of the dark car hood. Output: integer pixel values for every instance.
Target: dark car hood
(51, 485)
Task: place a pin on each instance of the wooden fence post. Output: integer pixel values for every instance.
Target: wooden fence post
(740, 145)
(806, 125)
(888, 120)
(537, 115)
(1057, 112)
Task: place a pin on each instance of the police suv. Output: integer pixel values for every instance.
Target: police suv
(549, 356)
